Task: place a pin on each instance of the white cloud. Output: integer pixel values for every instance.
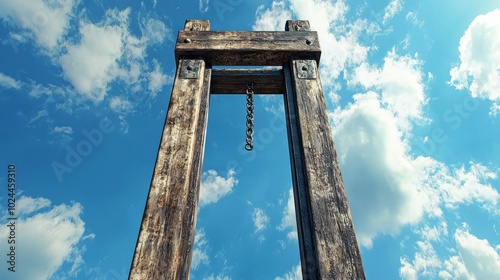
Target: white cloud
(396, 189)
(63, 129)
(108, 52)
(454, 269)
(413, 18)
(459, 186)
(407, 271)
(394, 7)
(426, 262)
(289, 220)
(154, 31)
(157, 80)
(45, 240)
(63, 134)
(372, 138)
(400, 82)
(272, 19)
(93, 63)
(47, 21)
(476, 259)
(369, 142)
(260, 219)
(200, 255)
(478, 256)
(434, 233)
(27, 205)
(120, 105)
(495, 110)
(479, 48)
(294, 274)
(9, 82)
(214, 187)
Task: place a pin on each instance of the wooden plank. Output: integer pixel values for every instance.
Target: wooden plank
(265, 48)
(327, 241)
(165, 243)
(233, 81)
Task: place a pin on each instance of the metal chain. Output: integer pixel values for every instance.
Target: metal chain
(249, 132)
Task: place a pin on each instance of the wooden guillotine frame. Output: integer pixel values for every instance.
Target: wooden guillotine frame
(327, 242)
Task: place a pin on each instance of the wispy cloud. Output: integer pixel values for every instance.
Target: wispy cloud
(63, 129)
(39, 115)
(157, 79)
(120, 105)
(200, 255)
(260, 219)
(394, 7)
(9, 82)
(294, 274)
(289, 220)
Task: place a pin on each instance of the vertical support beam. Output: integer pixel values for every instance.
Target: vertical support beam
(327, 241)
(165, 243)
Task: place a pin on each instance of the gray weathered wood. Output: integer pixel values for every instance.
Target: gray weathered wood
(327, 241)
(328, 245)
(266, 81)
(267, 48)
(165, 243)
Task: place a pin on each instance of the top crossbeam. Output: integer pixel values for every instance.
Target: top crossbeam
(262, 48)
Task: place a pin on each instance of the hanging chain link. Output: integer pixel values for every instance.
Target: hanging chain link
(249, 139)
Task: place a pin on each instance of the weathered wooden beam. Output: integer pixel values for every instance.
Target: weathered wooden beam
(328, 245)
(265, 48)
(233, 81)
(165, 243)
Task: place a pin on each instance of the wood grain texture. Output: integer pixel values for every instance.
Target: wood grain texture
(327, 241)
(233, 81)
(329, 248)
(165, 243)
(265, 48)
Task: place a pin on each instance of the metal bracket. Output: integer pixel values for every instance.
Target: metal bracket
(305, 69)
(189, 69)
(301, 25)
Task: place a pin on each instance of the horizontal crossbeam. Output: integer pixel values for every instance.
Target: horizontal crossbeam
(231, 81)
(265, 48)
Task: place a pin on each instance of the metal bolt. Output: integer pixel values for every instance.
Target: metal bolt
(308, 41)
(304, 68)
(187, 40)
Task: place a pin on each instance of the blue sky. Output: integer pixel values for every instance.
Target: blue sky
(412, 90)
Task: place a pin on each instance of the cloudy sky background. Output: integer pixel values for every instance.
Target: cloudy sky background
(413, 94)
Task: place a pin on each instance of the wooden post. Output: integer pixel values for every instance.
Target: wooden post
(328, 246)
(327, 241)
(165, 244)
